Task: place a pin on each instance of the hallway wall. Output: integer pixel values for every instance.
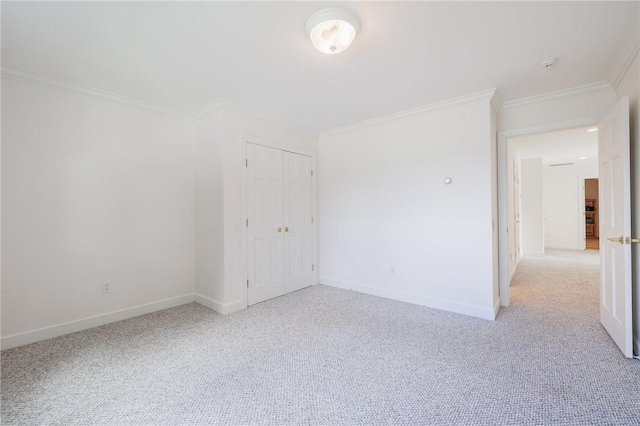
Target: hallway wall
(564, 203)
(532, 207)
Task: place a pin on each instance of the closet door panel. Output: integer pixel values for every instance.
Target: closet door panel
(297, 221)
(265, 234)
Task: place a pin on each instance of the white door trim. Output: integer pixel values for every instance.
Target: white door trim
(503, 191)
(244, 139)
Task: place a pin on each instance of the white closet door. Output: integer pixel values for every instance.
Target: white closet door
(265, 262)
(297, 221)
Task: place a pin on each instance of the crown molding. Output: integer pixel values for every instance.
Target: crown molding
(574, 92)
(496, 100)
(103, 95)
(90, 92)
(222, 104)
(486, 95)
(627, 54)
(209, 109)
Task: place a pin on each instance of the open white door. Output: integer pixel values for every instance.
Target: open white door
(615, 225)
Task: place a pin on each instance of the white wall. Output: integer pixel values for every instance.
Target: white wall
(209, 209)
(219, 172)
(630, 86)
(582, 110)
(564, 203)
(92, 191)
(532, 207)
(383, 204)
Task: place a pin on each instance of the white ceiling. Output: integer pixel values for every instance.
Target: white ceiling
(566, 146)
(184, 55)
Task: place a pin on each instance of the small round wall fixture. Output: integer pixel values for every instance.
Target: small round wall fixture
(332, 30)
(548, 63)
(448, 180)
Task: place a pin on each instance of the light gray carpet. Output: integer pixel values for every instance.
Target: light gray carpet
(328, 356)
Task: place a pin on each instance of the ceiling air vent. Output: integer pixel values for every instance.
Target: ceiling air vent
(560, 164)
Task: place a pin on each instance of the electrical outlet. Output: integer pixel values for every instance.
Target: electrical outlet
(393, 270)
(106, 288)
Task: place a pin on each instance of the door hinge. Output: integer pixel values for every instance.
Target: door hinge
(312, 220)
(247, 283)
(246, 162)
(311, 172)
(247, 223)
(313, 267)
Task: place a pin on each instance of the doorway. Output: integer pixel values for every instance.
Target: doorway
(591, 212)
(614, 227)
(552, 202)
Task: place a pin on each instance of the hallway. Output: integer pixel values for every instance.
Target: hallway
(563, 284)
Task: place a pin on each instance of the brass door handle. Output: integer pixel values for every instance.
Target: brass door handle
(279, 229)
(616, 240)
(286, 229)
(630, 240)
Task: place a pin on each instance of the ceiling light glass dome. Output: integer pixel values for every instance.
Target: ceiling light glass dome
(332, 30)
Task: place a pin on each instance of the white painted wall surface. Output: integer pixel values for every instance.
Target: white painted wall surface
(209, 209)
(564, 203)
(532, 207)
(235, 124)
(92, 191)
(630, 86)
(383, 204)
(587, 109)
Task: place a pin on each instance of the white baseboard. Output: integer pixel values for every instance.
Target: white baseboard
(561, 247)
(534, 254)
(445, 305)
(221, 308)
(45, 333)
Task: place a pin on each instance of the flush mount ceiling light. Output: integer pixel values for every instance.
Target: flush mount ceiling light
(332, 30)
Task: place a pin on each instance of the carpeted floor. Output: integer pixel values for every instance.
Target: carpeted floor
(329, 356)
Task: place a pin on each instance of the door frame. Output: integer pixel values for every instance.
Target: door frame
(503, 190)
(244, 140)
(517, 226)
